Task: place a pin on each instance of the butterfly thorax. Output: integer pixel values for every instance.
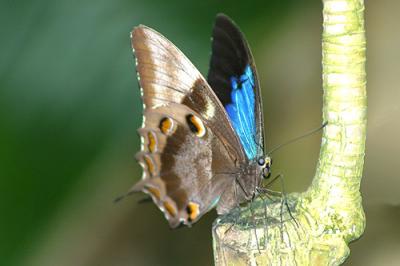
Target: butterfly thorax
(249, 178)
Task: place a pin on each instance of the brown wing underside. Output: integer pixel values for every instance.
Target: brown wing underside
(189, 149)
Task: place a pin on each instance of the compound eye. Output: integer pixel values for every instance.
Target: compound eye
(261, 161)
(265, 172)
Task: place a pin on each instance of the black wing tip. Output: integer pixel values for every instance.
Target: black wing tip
(223, 16)
(224, 20)
(224, 23)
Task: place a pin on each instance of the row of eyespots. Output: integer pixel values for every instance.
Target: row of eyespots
(167, 126)
(192, 209)
(155, 193)
(196, 125)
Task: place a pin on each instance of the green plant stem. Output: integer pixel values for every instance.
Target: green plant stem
(329, 214)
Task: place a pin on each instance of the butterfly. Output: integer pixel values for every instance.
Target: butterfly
(202, 141)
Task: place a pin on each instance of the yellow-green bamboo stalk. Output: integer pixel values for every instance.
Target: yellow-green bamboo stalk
(329, 214)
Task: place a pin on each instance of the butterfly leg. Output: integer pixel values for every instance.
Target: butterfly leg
(265, 222)
(251, 210)
(254, 225)
(271, 195)
(282, 194)
(280, 177)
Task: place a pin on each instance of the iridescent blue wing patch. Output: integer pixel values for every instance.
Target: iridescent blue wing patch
(241, 111)
(233, 78)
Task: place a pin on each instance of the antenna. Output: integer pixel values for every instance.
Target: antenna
(297, 138)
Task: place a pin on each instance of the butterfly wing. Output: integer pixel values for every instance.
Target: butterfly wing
(233, 77)
(189, 148)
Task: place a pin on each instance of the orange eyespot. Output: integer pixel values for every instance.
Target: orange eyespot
(196, 125)
(170, 209)
(166, 125)
(193, 210)
(152, 141)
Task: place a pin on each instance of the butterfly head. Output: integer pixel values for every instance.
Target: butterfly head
(265, 164)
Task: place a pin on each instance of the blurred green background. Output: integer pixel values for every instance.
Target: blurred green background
(70, 107)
